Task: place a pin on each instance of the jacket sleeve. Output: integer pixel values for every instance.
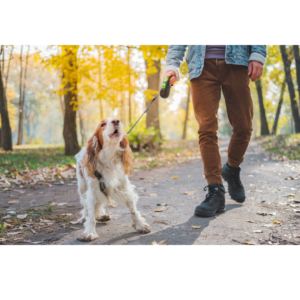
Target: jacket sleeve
(175, 58)
(258, 53)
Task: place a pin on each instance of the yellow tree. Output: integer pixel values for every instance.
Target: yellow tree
(152, 56)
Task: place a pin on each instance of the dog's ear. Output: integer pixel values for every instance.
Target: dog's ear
(126, 156)
(93, 149)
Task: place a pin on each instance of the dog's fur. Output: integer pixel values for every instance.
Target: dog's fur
(109, 153)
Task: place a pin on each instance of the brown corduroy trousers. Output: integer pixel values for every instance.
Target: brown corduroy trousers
(206, 95)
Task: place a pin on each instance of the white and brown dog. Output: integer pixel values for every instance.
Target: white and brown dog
(107, 152)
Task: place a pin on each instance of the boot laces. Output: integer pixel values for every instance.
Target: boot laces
(236, 180)
(212, 192)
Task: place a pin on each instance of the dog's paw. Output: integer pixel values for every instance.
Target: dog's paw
(87, 237)
(142, 228)
(104, 218)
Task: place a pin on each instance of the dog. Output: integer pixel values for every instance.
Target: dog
(109, 154)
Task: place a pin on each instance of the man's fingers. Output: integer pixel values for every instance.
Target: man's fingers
(172, 80)
(250, 69)
(254, 73)
(172, 76)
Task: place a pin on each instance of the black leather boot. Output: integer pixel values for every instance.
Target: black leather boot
(214, 201)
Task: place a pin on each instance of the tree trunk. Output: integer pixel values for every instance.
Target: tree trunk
(264, 129)
(274, 130)
(70, 131)
(297, 60)
(24, 90)
(20, 127)
(6, 129)
(186, 114)
(289, 81)
(152, 118)
(82, 131)
(8, 67)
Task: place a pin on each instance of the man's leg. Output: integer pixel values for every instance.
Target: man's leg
(236, 90)
(206, 94)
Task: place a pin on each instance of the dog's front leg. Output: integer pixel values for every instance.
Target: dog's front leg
(139, 223)
(89, 233)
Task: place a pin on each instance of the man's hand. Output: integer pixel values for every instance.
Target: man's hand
(255, 70)
(172, 76)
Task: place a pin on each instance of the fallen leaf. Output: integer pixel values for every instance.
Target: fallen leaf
(161, 222)
(165, 242)
(248, 243)
(291, 195)
(147, 180)
(13, 233)
(13, 201)
(2, 240)
(61, 204)
(187, 193)
(76, 222)
(196, 227)
(162, 204)
(33, 231)
(268, 225)
(75, 228)
(175, 177)
(22, 216)
(257, 231)
(249, 221)
(152, 195)
(259, 191)
(113, 204)
(262, 213)
(53, 203)
(6, 225)
(161, 209)
(276, 222)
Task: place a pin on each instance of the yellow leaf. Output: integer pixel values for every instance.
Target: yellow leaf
(175, 177)
(196, 227)
(13, 201)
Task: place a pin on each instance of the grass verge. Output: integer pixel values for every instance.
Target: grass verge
(285, 145)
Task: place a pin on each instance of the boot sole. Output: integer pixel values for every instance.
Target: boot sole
(239, 200)
(206, 214)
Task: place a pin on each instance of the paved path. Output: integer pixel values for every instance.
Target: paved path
(265, 185)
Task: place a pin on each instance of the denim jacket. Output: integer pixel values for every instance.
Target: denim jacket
(234, 54)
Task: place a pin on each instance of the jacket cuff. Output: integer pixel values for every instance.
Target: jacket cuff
(174, 69)
(257, 57)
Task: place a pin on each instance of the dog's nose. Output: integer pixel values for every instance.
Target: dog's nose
(116, 122)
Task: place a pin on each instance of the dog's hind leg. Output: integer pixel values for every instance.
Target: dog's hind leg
(102, 216)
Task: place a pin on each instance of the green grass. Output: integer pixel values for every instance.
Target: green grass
(34, 158)
(287, 145)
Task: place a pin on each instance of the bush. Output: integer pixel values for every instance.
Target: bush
(144, 139)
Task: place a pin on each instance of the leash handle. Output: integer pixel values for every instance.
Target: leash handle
(165, 88)
(143, 113)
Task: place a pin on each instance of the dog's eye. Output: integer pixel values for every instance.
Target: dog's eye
(103, 125)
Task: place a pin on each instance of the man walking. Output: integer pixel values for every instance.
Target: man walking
(212, 68)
